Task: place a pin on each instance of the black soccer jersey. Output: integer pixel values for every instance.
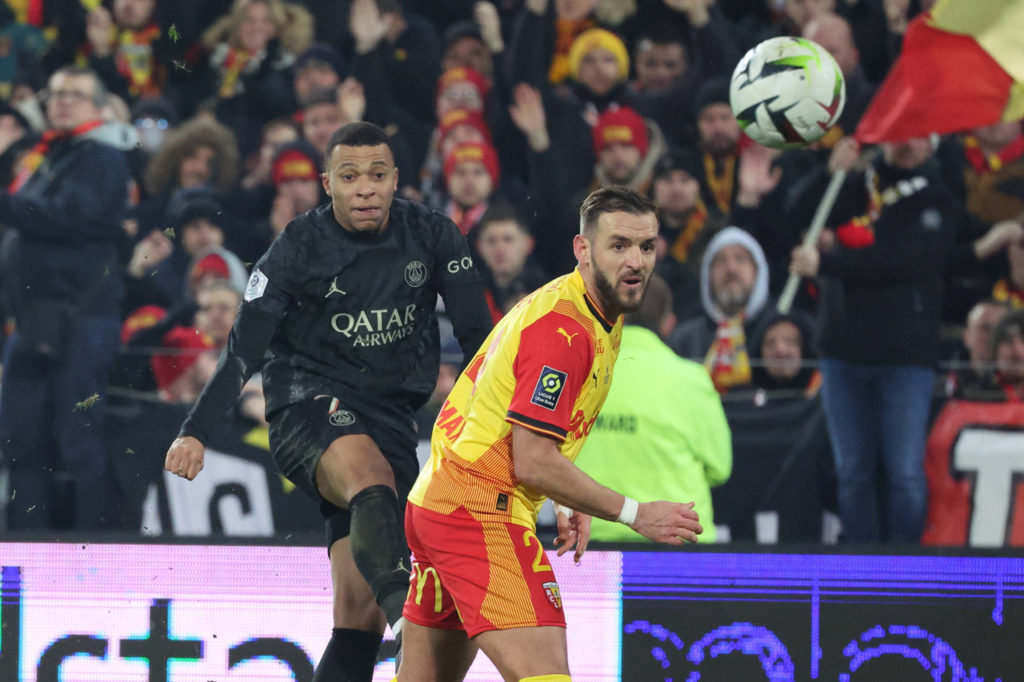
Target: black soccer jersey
(351, 315)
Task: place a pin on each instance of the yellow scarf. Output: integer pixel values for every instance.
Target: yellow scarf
(727, 360)
(680, 248)
(720, 183)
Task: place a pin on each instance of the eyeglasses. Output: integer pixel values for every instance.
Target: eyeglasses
(147, 123)
(73, 95)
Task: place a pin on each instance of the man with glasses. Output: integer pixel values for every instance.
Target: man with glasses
(64, 209)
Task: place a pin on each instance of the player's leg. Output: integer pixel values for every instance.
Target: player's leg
(434, 654)
(353, 473)
(358, 623)
(527, 653)
(300, 434)
(435, 647)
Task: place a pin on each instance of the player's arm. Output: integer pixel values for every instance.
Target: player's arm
(263, 306)
(462, 290)
(540, 465)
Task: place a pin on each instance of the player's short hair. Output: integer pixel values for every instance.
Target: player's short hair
(611, 199)
(359, 134)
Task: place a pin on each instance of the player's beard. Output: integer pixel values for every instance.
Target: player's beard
(610, 297)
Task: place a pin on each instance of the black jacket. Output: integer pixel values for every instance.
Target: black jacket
(350, 315)
(68, 222)
(882, 304)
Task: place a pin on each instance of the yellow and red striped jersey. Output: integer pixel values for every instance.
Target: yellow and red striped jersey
(546, 366)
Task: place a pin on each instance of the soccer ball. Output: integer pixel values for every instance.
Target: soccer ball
(787, 92)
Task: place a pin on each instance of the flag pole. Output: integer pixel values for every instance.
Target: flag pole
(828, 199)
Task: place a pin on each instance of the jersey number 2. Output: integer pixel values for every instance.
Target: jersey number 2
(529, 537)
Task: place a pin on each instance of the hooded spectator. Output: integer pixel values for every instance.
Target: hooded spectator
(734, 294)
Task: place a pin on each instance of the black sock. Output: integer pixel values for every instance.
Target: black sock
(378, 547)
(349, 656)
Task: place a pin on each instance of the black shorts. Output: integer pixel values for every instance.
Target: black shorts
(300, 434)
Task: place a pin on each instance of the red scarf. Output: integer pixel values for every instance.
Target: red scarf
(31, 161)
(465, 218)
(993, 162)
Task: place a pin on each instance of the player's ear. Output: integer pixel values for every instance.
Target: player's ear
(395, 188)
(580, 248)
(324, 178)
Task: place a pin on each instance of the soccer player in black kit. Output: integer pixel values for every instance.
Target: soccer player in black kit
(345, 301)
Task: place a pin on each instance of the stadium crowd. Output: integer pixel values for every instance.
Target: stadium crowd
(195, 132)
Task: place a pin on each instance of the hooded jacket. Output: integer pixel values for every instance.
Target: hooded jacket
(693, 337)
(67, 218)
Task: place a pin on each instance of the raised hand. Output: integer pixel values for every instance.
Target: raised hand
(366, 25)
(527, 113)
(100, 31)
(757, 177)
(351, 100)
(487, 19)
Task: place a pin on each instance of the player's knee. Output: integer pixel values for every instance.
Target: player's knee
(546, 678)
(352, 464)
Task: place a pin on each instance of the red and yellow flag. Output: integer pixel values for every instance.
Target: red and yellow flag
(962, 66)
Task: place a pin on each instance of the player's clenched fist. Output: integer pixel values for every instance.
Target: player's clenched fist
(185, 457)
(668, 522)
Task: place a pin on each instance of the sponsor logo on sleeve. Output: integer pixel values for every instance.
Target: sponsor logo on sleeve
(257, 285)
(549, 388)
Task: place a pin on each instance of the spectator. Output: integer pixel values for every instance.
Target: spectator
(184, 364)
(993, 169)
(211, 264)
(252, 49)
(681, 46)
(256, 188)
(198, 153)
(16, 138)
(834, 33)
(128, 49)
(880, 315)
(67, 219)
(1010, 289)
(297, 189)
(504, 244)
(687, 225)
(153, 118)
(626, 147)
(662, 431)
(782, 351)
(217, 304)
(464, 47)
(734, 294)
(195, 222)
(598, 68)
(972, 372)
(1008, 351)
(316, 69)
(718, 140)
(321, 116)
(471, 175)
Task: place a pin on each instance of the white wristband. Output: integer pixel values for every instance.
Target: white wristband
(562, 509)
(628, 513)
